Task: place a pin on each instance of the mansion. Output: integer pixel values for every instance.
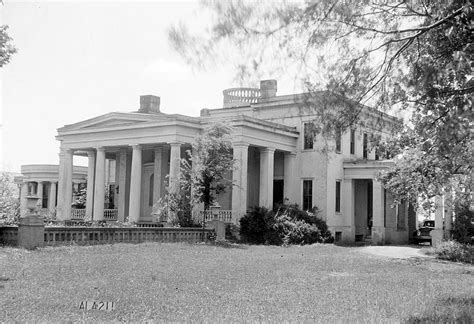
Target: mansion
(276, 159)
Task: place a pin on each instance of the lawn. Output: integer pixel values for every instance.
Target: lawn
(202, 282)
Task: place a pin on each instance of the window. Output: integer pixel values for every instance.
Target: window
(307, 194)
(338, 140)
(352, 141)
(308, 136)
(364, 150)
(377, 156)
(338, 196)
(150, 190)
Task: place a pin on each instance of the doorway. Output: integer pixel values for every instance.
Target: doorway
(278, 192)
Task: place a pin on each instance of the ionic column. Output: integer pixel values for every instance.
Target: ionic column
(348, 208)
(289, 191)
(52, 196)
(175, 166)
(65, 184)
(239, 179)
(266, 177)
(157, 177)
(378, 202)
(121, 166)
(90, 184)
(135, 184)
(437, 233)
(39, 193)
(23, 194)
(99, 188)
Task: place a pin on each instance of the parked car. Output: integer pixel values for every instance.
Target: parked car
(423, 234)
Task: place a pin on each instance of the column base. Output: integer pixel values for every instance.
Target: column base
(436, 237)
(378, 235)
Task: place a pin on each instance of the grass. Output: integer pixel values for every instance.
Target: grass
(184, 282)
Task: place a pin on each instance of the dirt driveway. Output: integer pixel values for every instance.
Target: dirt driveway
(398, 252)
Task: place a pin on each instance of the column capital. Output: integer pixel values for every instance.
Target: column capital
(240, 144)
(136, 146)
(100, 148)
(175, 143)
(90, 154)
(158, 149)
(268, 150)
(64, 150)
(290, 154)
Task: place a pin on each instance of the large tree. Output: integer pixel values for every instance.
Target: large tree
(413, 56)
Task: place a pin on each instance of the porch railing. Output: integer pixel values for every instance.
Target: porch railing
(110, 214)
(78, 214)
(222, 215)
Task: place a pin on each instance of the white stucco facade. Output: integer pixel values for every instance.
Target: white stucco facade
(272, 162)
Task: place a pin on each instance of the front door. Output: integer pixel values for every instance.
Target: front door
(278, 192)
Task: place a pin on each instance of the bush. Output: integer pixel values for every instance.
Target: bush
(286, 225)
(463, 228)
(454, 251)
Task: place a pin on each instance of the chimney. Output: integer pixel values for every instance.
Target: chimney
(268, 88)
(149, 104)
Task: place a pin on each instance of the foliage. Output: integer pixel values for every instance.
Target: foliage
(286, 225)
(80, 198)
(463, 231)
(6, 48)
(9, 202)
(454, 251)
(414, 56)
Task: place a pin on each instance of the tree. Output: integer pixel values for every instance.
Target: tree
(410, 56)
(6, 48)
(204, 174)
(9, 202)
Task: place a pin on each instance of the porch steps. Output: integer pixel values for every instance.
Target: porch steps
(368, 240)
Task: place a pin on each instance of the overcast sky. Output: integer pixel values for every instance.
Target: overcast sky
(78, 60)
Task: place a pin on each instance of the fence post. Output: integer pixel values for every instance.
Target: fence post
(31, 232)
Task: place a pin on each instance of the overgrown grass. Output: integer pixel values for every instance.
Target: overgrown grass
(453, 251)
(184, 282)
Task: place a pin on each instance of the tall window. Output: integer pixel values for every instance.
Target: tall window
(150, 190)
(307, 194)
(308, 136)
(338, 140)
(353, 141)
(365, 142)
(377, 156)
(338, 196)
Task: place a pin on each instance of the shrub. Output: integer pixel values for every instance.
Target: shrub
(454, 251)
(463, 228)
(286, 225)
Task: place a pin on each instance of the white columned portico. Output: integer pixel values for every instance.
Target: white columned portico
(90, 184)
(266, 177)
(175, 166)
(52, 196)
(239, 178)
(135, 184)
(99, 188)
(348, 209)
(157, 177)
(121, 166)
(39, 194)
(289, 178)
(378, 202)
(65, 184)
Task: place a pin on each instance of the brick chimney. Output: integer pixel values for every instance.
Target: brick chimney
(268, 88)
(149, 104)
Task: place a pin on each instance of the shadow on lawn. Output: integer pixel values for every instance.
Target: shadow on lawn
(229, 245)
(447, 310)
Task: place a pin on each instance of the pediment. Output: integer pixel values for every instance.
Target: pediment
(112, 120)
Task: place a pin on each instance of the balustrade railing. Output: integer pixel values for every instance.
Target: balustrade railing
(78, 214)
(110, 214)
(222, 215)
(241, 96)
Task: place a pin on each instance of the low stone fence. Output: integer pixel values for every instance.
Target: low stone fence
(82, 235)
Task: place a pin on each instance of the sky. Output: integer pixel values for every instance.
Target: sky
(77, 60)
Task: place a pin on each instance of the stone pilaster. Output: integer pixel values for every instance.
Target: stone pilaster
(90, 184)
(266, 177)
(347, 208)
(289, 183)
(239, 179)
(135, 184)
(23, 194)
(378, 224)
(175, 166)
(99, 188)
